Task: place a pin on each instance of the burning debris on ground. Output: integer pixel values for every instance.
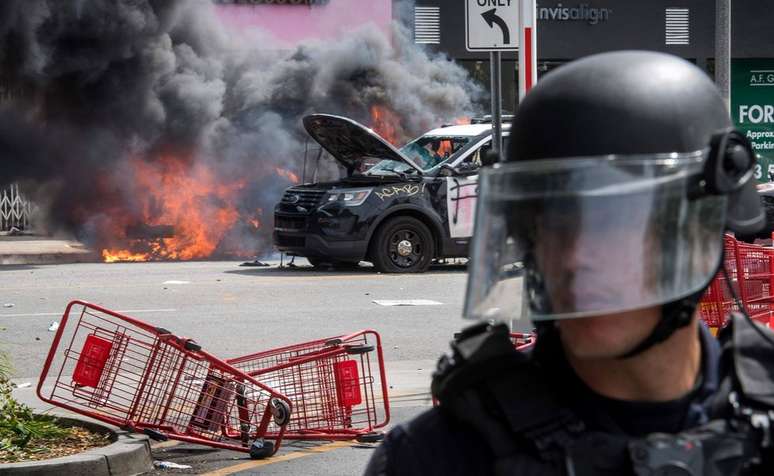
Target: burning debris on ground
(150, 130)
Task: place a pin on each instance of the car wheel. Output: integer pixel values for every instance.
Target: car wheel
(402, 245)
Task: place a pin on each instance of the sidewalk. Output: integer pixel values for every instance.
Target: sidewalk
(25, 249)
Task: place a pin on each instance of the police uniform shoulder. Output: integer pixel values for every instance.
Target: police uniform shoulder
(431, 443)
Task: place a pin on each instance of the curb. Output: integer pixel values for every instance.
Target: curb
(129, 454)
(48, 258)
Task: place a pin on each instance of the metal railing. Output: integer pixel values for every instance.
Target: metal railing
(15, 210)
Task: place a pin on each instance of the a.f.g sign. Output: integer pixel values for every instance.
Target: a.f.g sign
(752, 108)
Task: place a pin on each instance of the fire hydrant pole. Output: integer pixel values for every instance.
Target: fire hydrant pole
(497, 103)
(723, 49)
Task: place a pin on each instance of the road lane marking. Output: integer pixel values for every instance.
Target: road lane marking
(279, 459)
(174, 281)
(407, 302)
(128, 311)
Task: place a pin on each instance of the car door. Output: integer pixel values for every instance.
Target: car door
(462, 191)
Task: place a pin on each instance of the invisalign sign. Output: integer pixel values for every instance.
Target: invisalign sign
(582, 12)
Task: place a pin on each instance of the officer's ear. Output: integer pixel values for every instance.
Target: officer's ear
(729, 170)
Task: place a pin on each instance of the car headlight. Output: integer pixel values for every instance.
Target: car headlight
(349, 198)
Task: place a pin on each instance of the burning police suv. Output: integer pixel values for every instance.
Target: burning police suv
(397, 208)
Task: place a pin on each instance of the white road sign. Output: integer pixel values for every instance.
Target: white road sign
(492, 25)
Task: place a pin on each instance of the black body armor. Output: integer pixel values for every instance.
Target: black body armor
(487, 385)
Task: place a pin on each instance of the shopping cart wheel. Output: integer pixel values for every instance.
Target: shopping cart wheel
(358, 349)
(281, 411)
(333, 342)
(261, 449)
(155, 435)
(192, 346)
(372, 437)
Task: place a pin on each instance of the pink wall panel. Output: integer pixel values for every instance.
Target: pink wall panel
(293, 24)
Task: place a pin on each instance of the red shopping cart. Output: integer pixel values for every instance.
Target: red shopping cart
(523, 340)
(132, 375)
(337, 385)
(751, 275)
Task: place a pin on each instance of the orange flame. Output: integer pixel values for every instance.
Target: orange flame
(445, 148)
(255, 221)
(123, 255)
(387, 124)
(287, 174)
(462, 121)
(197, 204)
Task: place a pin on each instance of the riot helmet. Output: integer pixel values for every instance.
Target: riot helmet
(622, 173)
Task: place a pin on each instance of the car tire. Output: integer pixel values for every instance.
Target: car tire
(402, 245)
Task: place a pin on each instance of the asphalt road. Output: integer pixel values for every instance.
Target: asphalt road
(231, 311)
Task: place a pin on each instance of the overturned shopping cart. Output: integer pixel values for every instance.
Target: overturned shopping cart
(337, 385)
(130, 374)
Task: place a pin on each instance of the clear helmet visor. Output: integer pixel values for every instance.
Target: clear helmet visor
(579, 237)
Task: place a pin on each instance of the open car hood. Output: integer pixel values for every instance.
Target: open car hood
(351, 143)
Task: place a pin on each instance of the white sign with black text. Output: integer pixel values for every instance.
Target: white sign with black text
(492, 25)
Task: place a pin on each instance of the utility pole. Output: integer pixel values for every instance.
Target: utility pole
(723, 49)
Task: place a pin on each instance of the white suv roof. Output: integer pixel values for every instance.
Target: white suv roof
(464, 130)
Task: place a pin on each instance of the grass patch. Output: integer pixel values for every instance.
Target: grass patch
(25, 436)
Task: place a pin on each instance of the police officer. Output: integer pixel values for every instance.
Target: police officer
(622, 174)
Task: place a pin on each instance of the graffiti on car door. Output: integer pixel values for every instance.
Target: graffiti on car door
(461, 195)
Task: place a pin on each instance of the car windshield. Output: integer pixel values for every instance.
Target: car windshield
(427, 152)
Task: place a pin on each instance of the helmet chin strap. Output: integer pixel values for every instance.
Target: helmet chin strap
(674, 315)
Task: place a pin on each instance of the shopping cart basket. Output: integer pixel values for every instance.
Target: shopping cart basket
(523, 340)
(750, 274)
(337, 385)
(132, 375)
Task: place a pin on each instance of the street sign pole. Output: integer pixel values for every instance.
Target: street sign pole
(497, 104)
(489, 26)
(528, 46)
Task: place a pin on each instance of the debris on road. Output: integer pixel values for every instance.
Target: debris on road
(22, 385)
(53, 327)
(254, 263)
(406, 302)
(169, 465)
(8, 304)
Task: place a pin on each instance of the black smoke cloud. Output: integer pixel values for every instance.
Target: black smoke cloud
(90, 84)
